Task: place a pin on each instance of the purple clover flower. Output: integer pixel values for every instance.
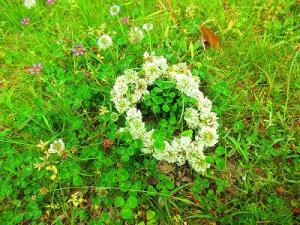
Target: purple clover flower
(50, 2)
(35, 69)
(125, 20)
(25, 21)
(78, 50)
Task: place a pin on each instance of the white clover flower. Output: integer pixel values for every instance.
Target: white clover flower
(154, 67)
(140, 85)
(148, 143)
(121, 130)
(148, 27)
(29, 3)
(137, 128)
(210, 120)
(120, 89)
(133, 114)
(208, 136)
(131, 75)
(114, 10)
(122, 104)
(191, 117)
(104, 41)
(57, 146)
(136, 35)
(205, 106)
(198, 163)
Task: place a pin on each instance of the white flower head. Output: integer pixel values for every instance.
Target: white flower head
(147, 27)
(136, 35)
(57, 146)
(122, 104)
(191, 117)
(131, 75)
(104, 41)
(208, 136)
(133, 114)
(210, 119)
(29, 3)
(198, 163)
(137, 128)
(114, 10)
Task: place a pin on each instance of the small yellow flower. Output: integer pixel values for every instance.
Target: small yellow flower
(42, 145)
(75, 199)
(103, 110)
(53, 169)
(39, 166)
(53, 206)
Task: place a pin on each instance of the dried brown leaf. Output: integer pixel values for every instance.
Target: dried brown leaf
(210, 37)
(165, 167)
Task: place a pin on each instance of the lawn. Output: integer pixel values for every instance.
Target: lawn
(102, 122)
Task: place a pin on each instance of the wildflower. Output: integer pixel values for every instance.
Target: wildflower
(107, 143)
(105, 41)
(29, 3)
(136, 35)
(122, 104)
(78, 50)
(35, 69)
(136, 129)
(75, 199)
(25, 21)
(44, 190)
(190, 11)
(198, 163)
(191, 117)
(53, 206)
(114, 116)
(131, 75)
(39, 166)
(103, 110)
(125, 20)
(148, 26)
(57, 146)
(210, 119)
(133, 114)
(148, 143)
(50, 2)
(42, 144)
(208, 136)
(63, 154)
(53, 169)
(114, 10)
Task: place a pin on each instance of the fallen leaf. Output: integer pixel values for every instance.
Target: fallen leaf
(296, 211)
(210, 37)
(165, 167)
(280, 190)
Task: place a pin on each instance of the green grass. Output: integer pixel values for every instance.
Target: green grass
(253, 81)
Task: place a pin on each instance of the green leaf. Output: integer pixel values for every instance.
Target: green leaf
(77, 180)
(166, 108)
(150, 215)
(156, 108)
(119, 201)
(220, 163)
(132, 202)
(126, 213)
(220, 151)
(187, 133)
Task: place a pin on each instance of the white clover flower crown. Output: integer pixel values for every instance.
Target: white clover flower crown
(130, 88)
